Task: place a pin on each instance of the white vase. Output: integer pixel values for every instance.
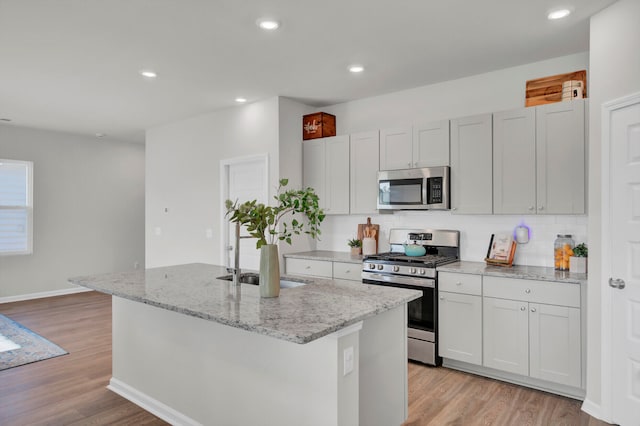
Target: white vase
(578, 265)
(269, 271)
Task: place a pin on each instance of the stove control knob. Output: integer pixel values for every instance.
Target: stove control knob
(396, 268)
(422, 272)
(372, 266)
(413, 270)
(380, 267)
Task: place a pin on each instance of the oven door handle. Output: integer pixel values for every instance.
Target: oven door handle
(397, 279)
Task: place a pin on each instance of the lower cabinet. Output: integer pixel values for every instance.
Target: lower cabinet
(460, 327)
(324, 269)
(506, 335)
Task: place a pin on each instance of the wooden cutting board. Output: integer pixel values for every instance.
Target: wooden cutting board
(372, 227)
(548, 90)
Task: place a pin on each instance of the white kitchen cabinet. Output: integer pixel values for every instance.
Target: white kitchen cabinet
(460, 327)
(539, 160)
(323, 269)
(514, 161)
(431, 144)
(347, 271)
(560, 158)
(471, 165)
(533, 328)
(396, 148)
(365, 160)
(506, 335)
(326, 170)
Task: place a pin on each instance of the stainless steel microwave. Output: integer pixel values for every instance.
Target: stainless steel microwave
(414, 189)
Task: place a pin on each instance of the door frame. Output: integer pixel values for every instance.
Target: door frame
(224, 193)
(606, 366)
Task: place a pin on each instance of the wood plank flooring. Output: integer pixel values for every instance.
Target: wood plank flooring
(71, 389)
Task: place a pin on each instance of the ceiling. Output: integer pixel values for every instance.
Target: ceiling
(73, 65)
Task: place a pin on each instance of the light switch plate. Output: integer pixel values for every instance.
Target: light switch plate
(348, 360)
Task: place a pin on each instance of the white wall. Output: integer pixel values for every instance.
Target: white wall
(489, 92)
(614, 69)
(88, 209)
(183, 174)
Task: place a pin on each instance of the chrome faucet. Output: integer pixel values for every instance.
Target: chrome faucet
(235, 271)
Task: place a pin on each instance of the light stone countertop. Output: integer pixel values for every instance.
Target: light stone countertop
(326, 255)
(300, 315)
(516, 271)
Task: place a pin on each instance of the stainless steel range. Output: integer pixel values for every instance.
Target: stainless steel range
(396, 269)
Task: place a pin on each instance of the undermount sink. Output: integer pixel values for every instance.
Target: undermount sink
(254, 279)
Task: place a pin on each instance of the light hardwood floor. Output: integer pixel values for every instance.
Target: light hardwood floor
(71, 389)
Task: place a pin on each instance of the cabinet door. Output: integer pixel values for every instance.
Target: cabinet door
(560, 146)
(396, 148)
(514, 161)
(313, 268)
(365, 158)
(505, 326)
(313, 167)
(431, 144)
(337, 175)
(555, 344)
(471, 165)
(460, 327)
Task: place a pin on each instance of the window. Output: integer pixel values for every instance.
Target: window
(16, 207)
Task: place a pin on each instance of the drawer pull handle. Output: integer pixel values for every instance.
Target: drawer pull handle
(522, 308)
(307, 267)
(528, 291)
(533, 309)
(348, 271)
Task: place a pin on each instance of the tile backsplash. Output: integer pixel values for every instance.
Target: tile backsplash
(475, 231)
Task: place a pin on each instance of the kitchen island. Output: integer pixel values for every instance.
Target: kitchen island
(195, 349)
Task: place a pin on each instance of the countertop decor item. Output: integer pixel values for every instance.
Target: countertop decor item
(356, 246)
(414, 249)
(562, 251)
(501, 251)
(369, 230)
(267, 224)
(547, 90)
(318, 125)
(578, 262)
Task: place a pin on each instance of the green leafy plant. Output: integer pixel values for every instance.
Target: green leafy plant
(581, 250)
(262, 221)
(354, 243)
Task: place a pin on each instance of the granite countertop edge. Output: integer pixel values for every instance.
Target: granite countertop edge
(329, 305)
(539, 273)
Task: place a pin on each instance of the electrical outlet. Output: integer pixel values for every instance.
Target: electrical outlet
(136, 265)
(208, 233)
(158, 231)
(348, 360)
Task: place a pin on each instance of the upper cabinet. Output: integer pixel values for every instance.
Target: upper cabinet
(326, 169)
(471, 165)
(514, 161)
(424, 145)
(560, 157)
(365, 158)
(539, 160)
(431, 144)
(396, 146)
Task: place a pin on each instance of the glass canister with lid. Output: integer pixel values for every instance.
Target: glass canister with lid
(562, 251)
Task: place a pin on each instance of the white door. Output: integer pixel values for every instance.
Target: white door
(623, 138)
(244, 179)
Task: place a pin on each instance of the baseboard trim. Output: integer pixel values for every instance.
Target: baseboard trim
(593, 409)
(41, 295)
(150, 404)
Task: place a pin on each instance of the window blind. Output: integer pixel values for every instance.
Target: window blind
(16, 202)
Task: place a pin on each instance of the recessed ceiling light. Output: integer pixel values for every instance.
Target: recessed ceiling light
(268, 24)
(241, 100)
(148, 74)
(356, 69)
(558, 14)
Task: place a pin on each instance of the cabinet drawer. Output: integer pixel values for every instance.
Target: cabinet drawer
(460, 283)
(552, 293)
(316, 268)
(347, 271)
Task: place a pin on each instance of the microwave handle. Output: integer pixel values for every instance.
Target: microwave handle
(425, 182)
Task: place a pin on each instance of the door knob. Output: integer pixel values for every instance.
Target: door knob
(230, 248)
(617, 283)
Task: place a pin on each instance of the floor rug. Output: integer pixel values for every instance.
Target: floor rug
(19, 345)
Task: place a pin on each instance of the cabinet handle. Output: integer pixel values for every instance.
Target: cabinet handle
(415, 164)
(528, 291)
(458, 283)
(307, 267)
(533, 309)
(454, 208)
(531, 208)
(522, 308)
(409, 164)
(348, 271)
(540, 207)
(441, 297)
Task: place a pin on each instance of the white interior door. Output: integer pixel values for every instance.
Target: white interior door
(244, 179)
(622, 124)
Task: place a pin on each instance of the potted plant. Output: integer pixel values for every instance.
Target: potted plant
(268, 225)
(578, 262)
(356, 246)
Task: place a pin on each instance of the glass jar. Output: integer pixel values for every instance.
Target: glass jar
(562, 251)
